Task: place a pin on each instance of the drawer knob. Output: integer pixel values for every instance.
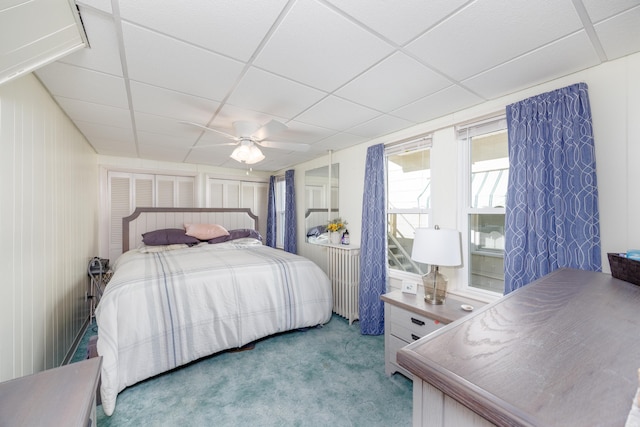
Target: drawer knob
(417, 321)
(415, 337)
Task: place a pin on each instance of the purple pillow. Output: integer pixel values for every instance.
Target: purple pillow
(168, 236)
(238, 233)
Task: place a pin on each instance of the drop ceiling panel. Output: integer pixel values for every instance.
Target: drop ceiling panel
(318, 47)
(381, 125)
(620, 35)
(449, 100)
(104, 5)
(171, 104)
(337, 113)
(394, 82)
(572, 53)
(80, 83)
(95, 113)
(233, 28)
(599, 10)
(487, 33)
(399, 21)
(162, 61)
(104, 53)
(265, 92)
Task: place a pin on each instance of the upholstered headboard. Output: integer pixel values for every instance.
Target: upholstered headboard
(143, 220)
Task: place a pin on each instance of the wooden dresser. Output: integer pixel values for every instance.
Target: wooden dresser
(561, 351)
(64, 396)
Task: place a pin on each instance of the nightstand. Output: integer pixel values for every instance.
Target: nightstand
(408, 318)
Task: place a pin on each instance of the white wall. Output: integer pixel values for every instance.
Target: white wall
(614, 91)
(48, 229)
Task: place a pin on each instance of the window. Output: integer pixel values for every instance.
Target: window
(408, 200)
(281, 193)
(485, 192)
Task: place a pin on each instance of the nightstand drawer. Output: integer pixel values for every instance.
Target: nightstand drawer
(409, 326)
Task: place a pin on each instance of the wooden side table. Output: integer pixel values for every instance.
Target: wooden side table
(64, 396)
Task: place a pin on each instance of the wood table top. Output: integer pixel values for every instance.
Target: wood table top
(564, 350)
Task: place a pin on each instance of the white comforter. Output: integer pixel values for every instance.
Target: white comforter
(165, 309)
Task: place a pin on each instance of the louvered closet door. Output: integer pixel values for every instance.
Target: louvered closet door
(126, 191)
(222, 193)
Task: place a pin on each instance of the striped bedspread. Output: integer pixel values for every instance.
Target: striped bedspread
(162, 310)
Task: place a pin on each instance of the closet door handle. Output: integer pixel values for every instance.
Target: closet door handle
(415, 337)
(417, 321)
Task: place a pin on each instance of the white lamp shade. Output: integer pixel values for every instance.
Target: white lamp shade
(247, 153)
(437, 247)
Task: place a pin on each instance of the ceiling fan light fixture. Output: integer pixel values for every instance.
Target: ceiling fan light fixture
(248, 153)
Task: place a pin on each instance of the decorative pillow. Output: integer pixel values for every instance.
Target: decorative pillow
(168, 236)
(238, 233)
(205, 231)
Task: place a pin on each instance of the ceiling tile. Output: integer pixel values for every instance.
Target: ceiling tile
(274, 95)
(95, 113)
(337, 113)
(599, 10)
(161, 61)
(338, 141)
(161, 139)
(316, 46)
(162, 152)
(232, 28)
(104, 5)
(161, 125)
(399, 21)
(103, 54)
(392, 83)
(86, 85)
(567, 55)
(489, 32)
(171, 104)
(449, 100)
(620, 35)
(380, 126)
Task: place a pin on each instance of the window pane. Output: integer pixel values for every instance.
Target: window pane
(486, 251)
(409, 180)
(409, 202)
(489, 170)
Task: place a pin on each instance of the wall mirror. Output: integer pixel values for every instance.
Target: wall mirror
(322, 191)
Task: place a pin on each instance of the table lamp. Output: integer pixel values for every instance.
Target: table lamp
(436, 247)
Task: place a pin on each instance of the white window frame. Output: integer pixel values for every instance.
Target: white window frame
(280, 191)
(463, 133)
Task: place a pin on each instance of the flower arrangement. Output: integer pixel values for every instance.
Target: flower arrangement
(336, 224)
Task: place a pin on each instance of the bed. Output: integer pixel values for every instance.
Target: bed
(168, 305)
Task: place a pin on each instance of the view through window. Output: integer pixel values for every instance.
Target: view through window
(408, 203)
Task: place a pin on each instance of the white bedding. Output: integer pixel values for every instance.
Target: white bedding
(164, 309)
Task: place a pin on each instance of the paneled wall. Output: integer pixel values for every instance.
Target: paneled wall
(48, 229)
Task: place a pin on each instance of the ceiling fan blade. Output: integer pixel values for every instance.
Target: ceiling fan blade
(214, 145)
(212, 130)
(271, 128)
(291, 146)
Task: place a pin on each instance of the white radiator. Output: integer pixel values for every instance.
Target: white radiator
(343, 267)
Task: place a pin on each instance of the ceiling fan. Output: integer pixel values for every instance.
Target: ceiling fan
(249, 135)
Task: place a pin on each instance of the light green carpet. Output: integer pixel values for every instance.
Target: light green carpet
(325, 376)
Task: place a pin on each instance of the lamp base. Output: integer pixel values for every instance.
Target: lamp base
(435, 286)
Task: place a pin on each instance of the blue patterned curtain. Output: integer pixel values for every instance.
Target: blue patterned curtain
(552, 218)
(373, 248)
(291, 226)
(271, 213)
